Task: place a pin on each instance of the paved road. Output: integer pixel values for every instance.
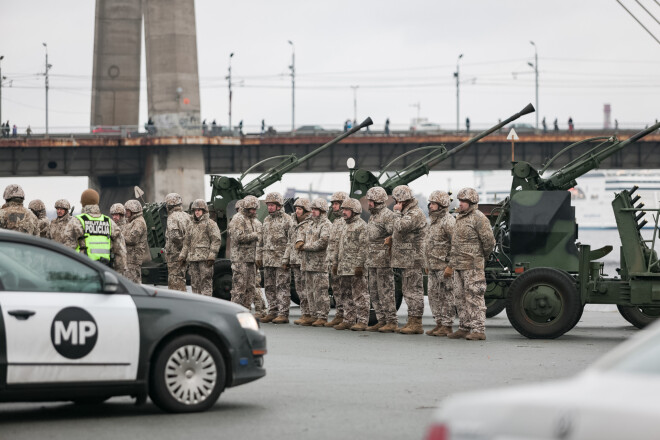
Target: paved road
(326, 384)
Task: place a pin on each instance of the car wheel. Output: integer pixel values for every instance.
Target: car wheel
(543, 303)
(188, 375)
(494, 307)
(640, 317)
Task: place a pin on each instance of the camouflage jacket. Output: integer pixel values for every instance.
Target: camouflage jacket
(409, 232)
(75, 236)
(121, 224)
(245, 234)
(338, 225)
(58, 228)
(438, 239)
(472, 242)
(379, 227)
(316, 237)
(202, 240)
(352, 246)
(275, 239)
(178, 224)
(16, 217)
(293, 256)
(44, 225)
(135, 236)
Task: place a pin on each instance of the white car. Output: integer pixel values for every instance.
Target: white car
(616, 398)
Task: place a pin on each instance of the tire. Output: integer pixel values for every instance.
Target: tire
(178, 383)
(543, 303)
(494, 307)
(640, 317)
(295, 298)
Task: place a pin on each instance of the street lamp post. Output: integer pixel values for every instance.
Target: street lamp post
(228, 78)
(48, 66)
(354, 103)
(536, 72)
(456, 74)
(293, 86)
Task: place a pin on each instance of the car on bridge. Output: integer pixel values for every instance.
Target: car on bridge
(73, 329)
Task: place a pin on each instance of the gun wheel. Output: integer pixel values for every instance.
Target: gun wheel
(543, 303)
(640, 317)
(494, 307)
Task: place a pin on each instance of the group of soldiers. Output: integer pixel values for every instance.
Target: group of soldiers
(357, 259)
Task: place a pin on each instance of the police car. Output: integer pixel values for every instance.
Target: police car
(72, 329)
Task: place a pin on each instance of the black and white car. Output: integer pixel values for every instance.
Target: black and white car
(72, 329)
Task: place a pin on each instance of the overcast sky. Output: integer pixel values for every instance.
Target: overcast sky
(399, 54)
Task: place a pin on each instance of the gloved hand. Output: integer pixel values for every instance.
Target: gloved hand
(359, 271)
(285, 266)
(181, 261)
(425, 270)
(335, 268)
(259, 263)
(210, 263)
(299, 245)
(448, 272)
(388, 241)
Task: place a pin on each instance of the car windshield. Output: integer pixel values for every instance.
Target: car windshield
(644, 359)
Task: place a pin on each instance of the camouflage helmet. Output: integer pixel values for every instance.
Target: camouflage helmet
(239, 205)
(440, 197)
(117, 208)
(173, 199)
(133, 206)
(377, 194)
(37, 205)
(200, 204)
(250, 202)
(352, 204)
(64, 204)
(402, 193)
(469, 195)
(275, 197)
(339, 196)
(14, 191)
(304, 203)
(321, 204)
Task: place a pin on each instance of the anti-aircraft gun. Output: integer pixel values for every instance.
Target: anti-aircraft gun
(538, 267)
(362, 180)
(224, 194)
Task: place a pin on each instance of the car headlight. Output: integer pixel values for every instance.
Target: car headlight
(247, 321)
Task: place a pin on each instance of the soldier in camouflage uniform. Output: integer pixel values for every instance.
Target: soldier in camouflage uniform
(200, 248)
(292, 258)
(178, 223)
(471, 245)
(75, 235)
(338, 224)
(381, 275)
(270, 256)
(409, 231)
(135, 236)
(245, 232)
(58, 227)
(39, 209)
(349, 264)
(313, 241)
(438, 245)
(14, 216)
(118, 214)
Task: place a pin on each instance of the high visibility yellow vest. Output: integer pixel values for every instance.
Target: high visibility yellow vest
(97, 236)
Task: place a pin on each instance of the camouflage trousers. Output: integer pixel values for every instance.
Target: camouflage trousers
(277, 284)
(301, 289)
(243, 283)
(258, 299)
(381, 292)
(201, 277)
(317, 293)
(357, 299)
(176, 276)
(338, 294)
(412, 285)
(441, 298)
(134, 273)
(469, 288)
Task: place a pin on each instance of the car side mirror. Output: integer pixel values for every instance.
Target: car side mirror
(110, 283)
